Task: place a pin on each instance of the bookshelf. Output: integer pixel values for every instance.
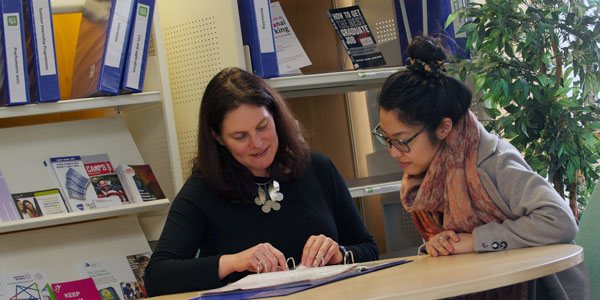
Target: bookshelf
(374, 185)
(82, 216)
(332, 83)
(116, 102)
(134, 129)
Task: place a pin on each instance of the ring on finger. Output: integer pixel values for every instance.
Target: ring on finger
(321, 258)
(442, 238)
(260, 266)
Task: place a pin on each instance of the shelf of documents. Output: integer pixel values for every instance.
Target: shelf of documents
(81, 216)
(80, 104)
(332, 83)
(373, 185)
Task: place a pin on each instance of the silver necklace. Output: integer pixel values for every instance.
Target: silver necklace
(268, 196)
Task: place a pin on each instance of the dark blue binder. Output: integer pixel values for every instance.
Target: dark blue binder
(139, 41)
(41, 52)
(298, 286)
(101, 46)
(435, 13)
(13, 65)
(257, 34)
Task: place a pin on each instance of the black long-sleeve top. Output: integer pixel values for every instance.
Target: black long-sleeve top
(317, 202)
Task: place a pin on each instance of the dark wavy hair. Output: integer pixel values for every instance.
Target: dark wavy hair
(226, 91)
(419, 98)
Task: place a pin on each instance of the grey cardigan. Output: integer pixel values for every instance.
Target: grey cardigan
(537, 215)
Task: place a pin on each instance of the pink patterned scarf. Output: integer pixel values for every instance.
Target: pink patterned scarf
(450, 196)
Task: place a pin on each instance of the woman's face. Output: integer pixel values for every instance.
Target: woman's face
(248, 132)
(422, 150)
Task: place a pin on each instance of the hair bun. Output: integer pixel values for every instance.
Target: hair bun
(426, 55)
(434, 69)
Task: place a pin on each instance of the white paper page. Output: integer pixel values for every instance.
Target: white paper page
(290, 54)
(301, 273)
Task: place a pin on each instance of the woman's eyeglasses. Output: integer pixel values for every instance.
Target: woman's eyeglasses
(401, 145)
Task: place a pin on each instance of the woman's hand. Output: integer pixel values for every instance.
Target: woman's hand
(449, 242)
(320, 250)
(442, 243)
(260, 258)
(464, 245)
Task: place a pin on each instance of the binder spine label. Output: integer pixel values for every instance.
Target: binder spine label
(45, 45)
(138, 44)
(118, 29)
(14, 58)
(263, 25)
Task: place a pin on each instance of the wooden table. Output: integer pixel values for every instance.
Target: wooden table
(438, 277)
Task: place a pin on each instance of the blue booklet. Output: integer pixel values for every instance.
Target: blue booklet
(139, 41)
(14, 81)
(101, 45)
(41, 54)
(258, 36)
(287, 282)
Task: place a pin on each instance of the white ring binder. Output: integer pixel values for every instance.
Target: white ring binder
(348, 257)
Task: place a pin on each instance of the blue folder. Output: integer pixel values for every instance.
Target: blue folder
(41, 52)
(435, 13)
(298, 286)
(139, 41)
(257, 34)
(14, 81)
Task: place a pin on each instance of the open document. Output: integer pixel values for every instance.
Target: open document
(292, 281)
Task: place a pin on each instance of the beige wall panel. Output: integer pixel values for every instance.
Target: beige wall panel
(201, 37)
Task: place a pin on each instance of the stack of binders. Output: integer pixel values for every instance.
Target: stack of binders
(28, 60)
(112, 47)
(110, 56)
(100, 55)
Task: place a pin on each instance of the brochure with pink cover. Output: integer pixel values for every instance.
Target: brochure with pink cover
(76, 290)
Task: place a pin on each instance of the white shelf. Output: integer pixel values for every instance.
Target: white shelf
(331, 83)
(373, 185)
(80, 104)
(80, 216)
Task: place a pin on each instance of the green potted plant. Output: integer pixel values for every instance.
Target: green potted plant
(536, 66)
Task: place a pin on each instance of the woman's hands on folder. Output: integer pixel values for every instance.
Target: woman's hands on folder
(321, 250)
(260, 258)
